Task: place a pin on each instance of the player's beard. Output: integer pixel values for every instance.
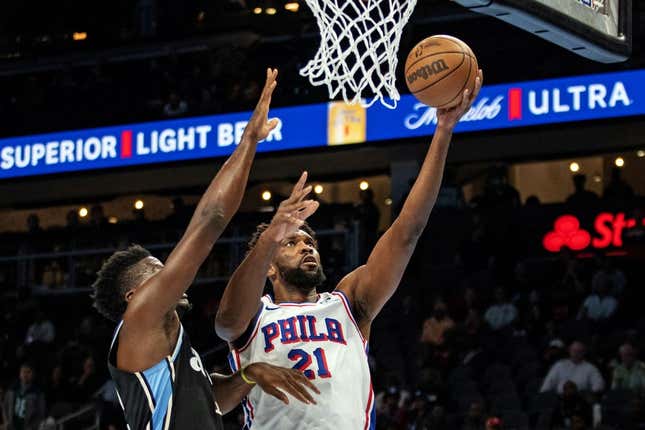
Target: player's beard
(303, 280)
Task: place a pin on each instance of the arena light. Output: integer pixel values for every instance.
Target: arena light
(80, 35)
(82, 212)
(270, 11)
(388, 202)
(318, 189)
(266, 195)
(138, 205)
(257, 10)
(292, 6)
(574, 167)
(619, 162)
(597, 179)
(113, 220)
(364, 185)
(640, 153)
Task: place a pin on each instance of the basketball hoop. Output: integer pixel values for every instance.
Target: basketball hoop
(358, 48)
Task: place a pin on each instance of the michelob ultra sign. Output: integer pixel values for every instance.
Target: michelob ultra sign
(327, 124)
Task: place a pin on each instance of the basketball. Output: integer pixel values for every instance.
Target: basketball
(439, 69)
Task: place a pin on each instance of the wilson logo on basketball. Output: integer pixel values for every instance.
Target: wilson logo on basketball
(428, 70)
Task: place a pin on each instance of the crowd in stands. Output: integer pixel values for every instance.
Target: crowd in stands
(497, 339)
(216, 80)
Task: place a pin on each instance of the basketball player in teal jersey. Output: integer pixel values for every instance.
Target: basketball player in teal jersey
(160, 380)
(323, 334)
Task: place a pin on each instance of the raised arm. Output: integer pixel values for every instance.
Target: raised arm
(370, 286)
(217, 206)
(241, 299)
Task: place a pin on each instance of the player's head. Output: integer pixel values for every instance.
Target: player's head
(297, 262)
(120, 276)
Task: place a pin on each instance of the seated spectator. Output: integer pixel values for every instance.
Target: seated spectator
(25, 402)
(581, 197)
(630, 373)
(435, 326)
(600, 305)
(474, 419)
(571, 403)
(58, 394)
(42, 330)
(575, 369)
(88, 382)
(554, 352)
(502, 313)
(610, 275)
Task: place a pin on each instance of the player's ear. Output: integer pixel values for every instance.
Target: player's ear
(272, 273)
(129, 294)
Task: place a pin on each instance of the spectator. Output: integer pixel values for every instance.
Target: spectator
(58, 393)
(97, 217)
(25, 403)
(600, 305)
(89, 381)
(618, 192)
(435, 326)
(450, 193)
(575, 369)
(581, 197)
(474, 419)
(630, 373)
(42, 330)
(498, 193)
(554, 352)
(175, 106)
(33, 224)
(532, 201)
(570, 403)
(607, 273)
(502, 313)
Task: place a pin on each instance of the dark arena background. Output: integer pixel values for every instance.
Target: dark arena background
(114, 116)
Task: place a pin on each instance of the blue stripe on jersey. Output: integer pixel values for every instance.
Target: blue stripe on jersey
(231, 362)
(158, 378)
(373, 416)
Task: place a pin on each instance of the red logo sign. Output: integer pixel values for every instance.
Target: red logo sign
(608, 230)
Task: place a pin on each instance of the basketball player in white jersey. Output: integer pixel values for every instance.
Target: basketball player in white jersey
(324, 335)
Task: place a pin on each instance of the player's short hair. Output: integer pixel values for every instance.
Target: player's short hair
(114, 279)
(262, 227)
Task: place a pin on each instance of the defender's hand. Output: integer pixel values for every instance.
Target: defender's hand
(448, 118)
(293, 212)
(277, 381)
(259, 126)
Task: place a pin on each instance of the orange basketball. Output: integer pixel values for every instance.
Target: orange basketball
(439, 69)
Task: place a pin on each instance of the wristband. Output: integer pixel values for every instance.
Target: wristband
(246, 378)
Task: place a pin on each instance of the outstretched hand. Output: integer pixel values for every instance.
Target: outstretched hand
(293, 212)
(448, 118)
(277, 381)
(259, 126)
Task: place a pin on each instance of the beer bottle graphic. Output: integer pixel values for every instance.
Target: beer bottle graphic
(346, 124)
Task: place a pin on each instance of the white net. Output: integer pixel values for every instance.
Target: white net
(357, 56)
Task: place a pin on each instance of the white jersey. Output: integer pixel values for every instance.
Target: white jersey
(323, 341)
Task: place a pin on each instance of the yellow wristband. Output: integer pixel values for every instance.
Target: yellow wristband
(246, 378)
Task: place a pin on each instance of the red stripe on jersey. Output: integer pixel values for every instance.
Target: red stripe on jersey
(349, 312)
